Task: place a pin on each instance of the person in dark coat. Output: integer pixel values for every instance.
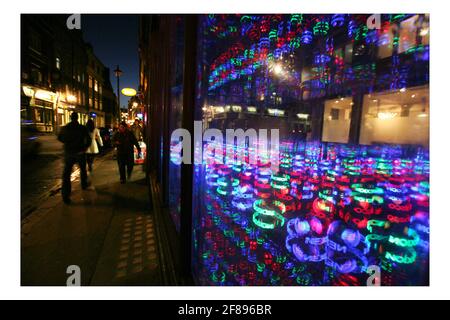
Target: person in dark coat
(125, 140)
(76, 140)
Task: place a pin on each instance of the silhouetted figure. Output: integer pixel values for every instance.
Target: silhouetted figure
(76, 140)
(93, 149)
(136, 129)
(124, 140)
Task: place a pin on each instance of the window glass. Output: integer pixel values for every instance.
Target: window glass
(408, 34)
(337, 118)
(176, 113)
(309, 210)
(386, 40)
(400, 117)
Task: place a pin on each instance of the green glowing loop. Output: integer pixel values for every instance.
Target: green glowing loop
(268, 218)
(361, 189)
(260, 267)
(326, 197)
(221, 191)
(282, 178)
(223, 183)
(372, 199)
(403, 242)
(375, 237)
(402, 259)
(375, 223)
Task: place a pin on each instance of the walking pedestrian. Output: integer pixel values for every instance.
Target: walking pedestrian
(76, 140)
(93, 149)
(124, 140)
(136, 129)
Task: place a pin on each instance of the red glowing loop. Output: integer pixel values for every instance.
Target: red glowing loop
(397, 207)
(394, 219)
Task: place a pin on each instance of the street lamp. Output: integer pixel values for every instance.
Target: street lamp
(118, 73)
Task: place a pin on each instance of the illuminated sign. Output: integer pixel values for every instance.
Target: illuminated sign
(129, 92)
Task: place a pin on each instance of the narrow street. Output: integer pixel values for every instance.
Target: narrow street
(107, 231)
(41, 174)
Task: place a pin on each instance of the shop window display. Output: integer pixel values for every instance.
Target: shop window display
(331, 211)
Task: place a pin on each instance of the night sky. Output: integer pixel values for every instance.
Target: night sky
(115, 41)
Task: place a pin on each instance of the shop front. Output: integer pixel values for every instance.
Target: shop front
(348, 195)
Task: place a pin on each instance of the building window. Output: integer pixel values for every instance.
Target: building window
(386, 41)
(35, 42)
(96, 86)
(90, 82)
(400, 117)
(425, 30)
(36, 75)
(337, 118)
(58, 63)
(408, 34)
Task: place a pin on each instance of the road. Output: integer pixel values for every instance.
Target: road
(41, 175)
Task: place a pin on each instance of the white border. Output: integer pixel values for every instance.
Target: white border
(10, 161)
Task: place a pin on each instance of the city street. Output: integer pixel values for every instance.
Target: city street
(107, 231)
(41, 174)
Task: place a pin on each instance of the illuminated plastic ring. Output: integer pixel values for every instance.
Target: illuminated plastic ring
(280, 178)
(271, 223)
(222, 182)
(268, 218)
(327, 197)
(360, 189)
(321, 206)
(262, 194)
(412, 241)
(394, 219)
(405, 208)
(260, 185)
(409, 257)
(303, 257)
(375, 223)
(371, 199)
(356, 264)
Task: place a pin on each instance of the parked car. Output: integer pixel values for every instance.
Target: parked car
(29, 140)
(106, 135)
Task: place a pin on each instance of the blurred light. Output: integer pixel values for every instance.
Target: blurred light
(278, 69)
(302, 115)
(135, 104)
(71, 98)
(251, 109)
(424, 32)
(28, 91)
(276, 112)
(45, 95)
(236, 108)
(386, 115)
(129, 92)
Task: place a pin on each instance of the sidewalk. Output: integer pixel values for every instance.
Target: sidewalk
(107, 231)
